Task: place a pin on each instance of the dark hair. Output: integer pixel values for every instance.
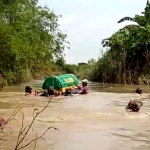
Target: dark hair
(50, 91)
(28, 89)
(68, 91)
(139, 91)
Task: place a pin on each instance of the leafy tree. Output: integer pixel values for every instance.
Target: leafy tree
(128, 53)
(30, 40)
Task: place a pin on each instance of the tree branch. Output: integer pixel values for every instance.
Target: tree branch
(27, 128)
(24, 130)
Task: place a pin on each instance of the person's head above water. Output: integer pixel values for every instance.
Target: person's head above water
(28, 89)
(68, 90)
(139, 91)
(84, 82)
(50, 91)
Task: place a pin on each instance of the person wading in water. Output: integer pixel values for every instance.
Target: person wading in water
(28, 91)
(84, 88)
(49, 92)
(139, 91)
(134, 105)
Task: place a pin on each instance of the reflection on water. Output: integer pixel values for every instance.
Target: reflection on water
(96, 121)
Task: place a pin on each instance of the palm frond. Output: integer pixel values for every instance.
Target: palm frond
(126, 19)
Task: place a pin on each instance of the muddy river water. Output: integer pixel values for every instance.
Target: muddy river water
(97, 121)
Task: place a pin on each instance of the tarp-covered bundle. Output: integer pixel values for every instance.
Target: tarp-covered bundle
(61, 82)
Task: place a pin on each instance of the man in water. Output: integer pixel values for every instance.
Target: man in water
(139, 94)
(134, 105)
(67, 92)
(84, 89)
(28, 91)
(49, 92)
(139, 91)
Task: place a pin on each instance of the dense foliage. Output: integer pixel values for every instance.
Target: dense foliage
(82, 70)
(30, 40)
(127, 58)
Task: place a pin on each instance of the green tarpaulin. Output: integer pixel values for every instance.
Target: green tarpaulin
(61, 82)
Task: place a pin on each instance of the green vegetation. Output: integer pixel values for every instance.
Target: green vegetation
(127, 57)
(82, 70)
(31, 44)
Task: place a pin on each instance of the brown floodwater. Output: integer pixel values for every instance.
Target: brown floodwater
(97, 121)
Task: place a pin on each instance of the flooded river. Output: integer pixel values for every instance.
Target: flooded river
(97, 121)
